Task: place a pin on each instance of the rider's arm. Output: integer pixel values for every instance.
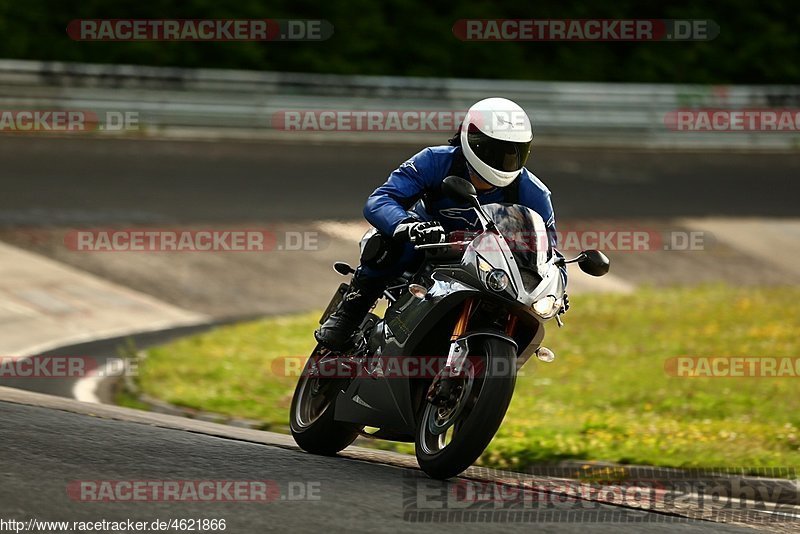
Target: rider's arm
(386, 206)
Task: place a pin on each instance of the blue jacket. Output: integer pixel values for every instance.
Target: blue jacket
(423, 175)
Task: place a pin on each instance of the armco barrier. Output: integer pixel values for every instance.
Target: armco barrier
(222, 103)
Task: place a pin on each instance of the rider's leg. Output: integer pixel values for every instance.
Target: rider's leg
(367, 285)
(336, 332)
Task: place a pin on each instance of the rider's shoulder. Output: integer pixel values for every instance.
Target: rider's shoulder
(432, 160)
(432, 153)
(443, 151)
(532, 183)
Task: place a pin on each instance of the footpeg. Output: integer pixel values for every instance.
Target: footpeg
(332, 366)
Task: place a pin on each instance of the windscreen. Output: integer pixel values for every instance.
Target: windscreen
(525, 232)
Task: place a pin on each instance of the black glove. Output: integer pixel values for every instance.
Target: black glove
(565, 304)
(420, 233)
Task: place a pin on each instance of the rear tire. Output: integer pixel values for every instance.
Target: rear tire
(476, 425)
(311, 418)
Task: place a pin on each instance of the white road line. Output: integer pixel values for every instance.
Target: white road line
(85, 389)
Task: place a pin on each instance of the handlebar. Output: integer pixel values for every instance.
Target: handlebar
(436, 245)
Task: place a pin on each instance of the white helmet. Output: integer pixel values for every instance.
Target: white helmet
(496, 139)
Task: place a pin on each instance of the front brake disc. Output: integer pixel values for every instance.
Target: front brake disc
(438, 426)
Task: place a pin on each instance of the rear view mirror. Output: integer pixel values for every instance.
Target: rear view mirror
(594, 263)
(458, 188)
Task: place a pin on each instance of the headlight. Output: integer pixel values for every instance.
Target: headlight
(483, 265)
(497, 280)
(547, 307)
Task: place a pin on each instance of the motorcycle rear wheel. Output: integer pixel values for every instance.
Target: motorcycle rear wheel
(311, 418)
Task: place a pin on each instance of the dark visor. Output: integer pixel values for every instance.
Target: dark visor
(501, 155)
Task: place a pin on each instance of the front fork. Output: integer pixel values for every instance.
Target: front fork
(458, 347)
(439, 392)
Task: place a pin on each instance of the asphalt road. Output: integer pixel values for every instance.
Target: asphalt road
(63, 181)
(44, 450)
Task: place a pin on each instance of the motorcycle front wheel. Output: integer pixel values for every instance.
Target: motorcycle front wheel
(450, 438)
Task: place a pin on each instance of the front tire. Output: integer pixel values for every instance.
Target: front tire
(311, 419)
(477, 417)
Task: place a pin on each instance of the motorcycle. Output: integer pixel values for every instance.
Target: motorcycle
(483, 301)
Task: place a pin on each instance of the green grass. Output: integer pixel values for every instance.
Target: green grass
(606, 396)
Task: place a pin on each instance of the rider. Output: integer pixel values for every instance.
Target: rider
(490, 149)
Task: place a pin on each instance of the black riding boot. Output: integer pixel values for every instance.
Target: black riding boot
(337, 331)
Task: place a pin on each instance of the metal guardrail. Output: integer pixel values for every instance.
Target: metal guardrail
(222, 103)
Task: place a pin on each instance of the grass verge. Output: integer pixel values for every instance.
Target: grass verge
(606, 396)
